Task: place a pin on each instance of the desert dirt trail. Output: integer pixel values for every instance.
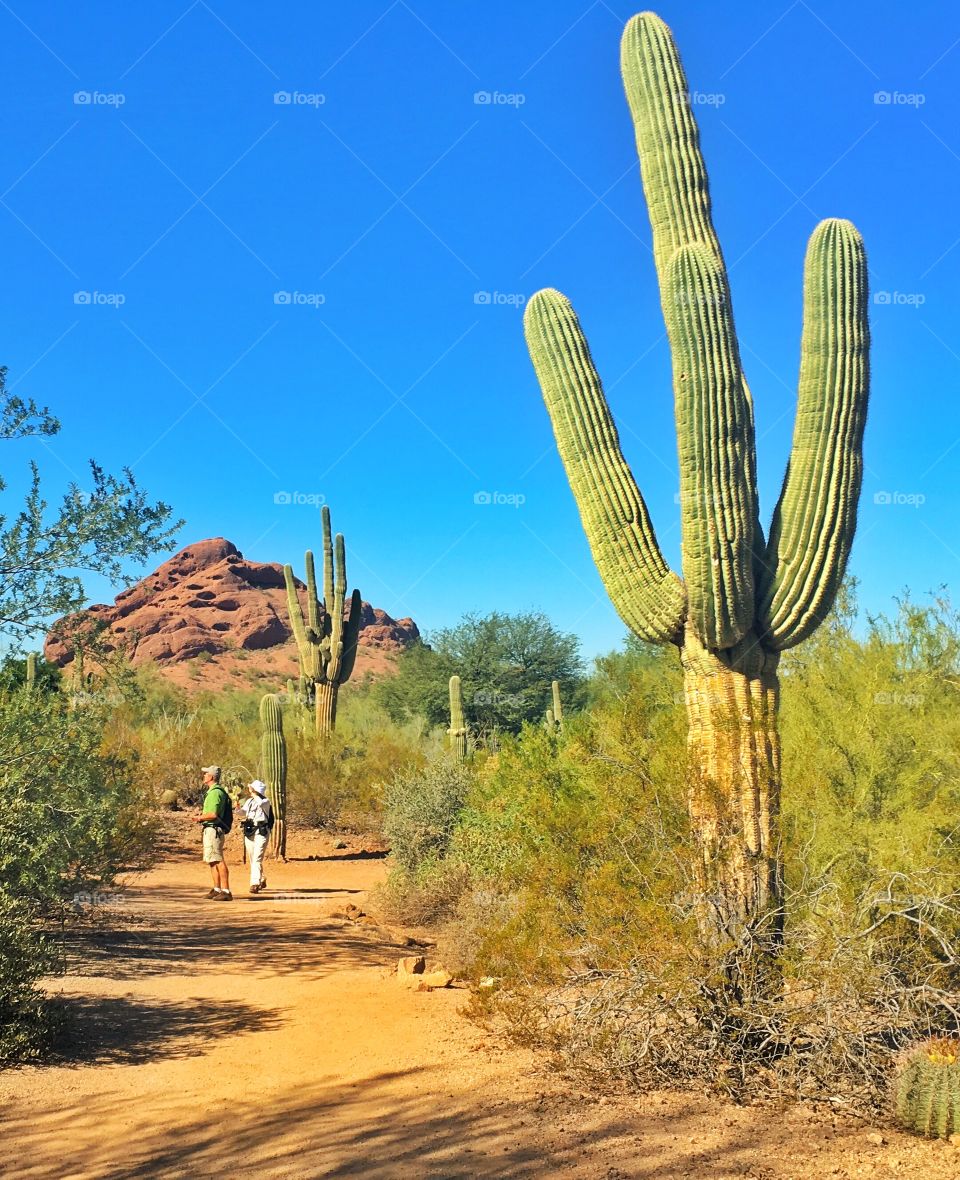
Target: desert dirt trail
(266, 1038)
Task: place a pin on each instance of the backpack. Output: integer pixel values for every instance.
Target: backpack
(225, 820)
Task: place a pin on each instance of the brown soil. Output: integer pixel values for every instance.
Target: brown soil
(268, 1038)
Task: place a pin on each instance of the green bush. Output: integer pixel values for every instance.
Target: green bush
(581, 875)
(72, 821)
(421, 809)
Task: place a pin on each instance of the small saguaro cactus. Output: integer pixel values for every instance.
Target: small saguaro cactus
(31, 680)
(326, 642)
(273, 757)
(928, 1089)
(556, 713)
(458, 728)
(743, 597)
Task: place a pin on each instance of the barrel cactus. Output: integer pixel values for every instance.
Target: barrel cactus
(928, 1089)
(326, 642)
(273, 758)
(743, 597)
(458, 728)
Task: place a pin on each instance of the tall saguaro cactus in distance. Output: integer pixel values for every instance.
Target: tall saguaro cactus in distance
(327, 643)
(458, 726)
(743, 598)
(273, 756)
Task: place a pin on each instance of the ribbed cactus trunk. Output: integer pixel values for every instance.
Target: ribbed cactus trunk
(743, 598)
(732, 699)
(31, 680)
(273, 756)
(326, 707)
(458, 728)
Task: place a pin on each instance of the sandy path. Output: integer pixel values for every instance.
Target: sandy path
(265, 1038)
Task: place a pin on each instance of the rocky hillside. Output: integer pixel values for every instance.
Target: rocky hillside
(208, 618)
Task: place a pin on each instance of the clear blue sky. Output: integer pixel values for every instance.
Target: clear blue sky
(390, 202)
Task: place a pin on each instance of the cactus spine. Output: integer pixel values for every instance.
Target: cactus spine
(928, 1089)
(327, 643)
(742, 599)
(458, 728)
(273, 756)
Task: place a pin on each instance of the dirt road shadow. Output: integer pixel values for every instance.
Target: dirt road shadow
(255, 941)
(116, 1030)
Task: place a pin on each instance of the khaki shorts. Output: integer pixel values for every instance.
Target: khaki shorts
(212, 845)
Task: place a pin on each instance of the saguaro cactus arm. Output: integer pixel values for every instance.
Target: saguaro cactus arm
(307, 650)
(351, 636)
(718, 499)
(668, 142)
(816, 517)
(648, 596)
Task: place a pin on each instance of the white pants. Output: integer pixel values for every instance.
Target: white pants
(256, 846)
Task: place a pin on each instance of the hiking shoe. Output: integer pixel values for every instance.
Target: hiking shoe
(223, 896)
(254, 888)
(263, 884)
(212, 894)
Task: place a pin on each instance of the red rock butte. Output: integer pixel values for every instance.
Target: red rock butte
(209, 601)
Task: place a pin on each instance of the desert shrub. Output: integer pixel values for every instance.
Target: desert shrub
(429, 895)
(422, 806)
(72, 822)
(341, 781)
(582, 873)
(421, 809)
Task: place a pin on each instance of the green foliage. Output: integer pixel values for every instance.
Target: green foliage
(506, 664)
(569, 873)
(928, 1089)
(71, 822)
(581, 838)
(871, 747)
(14, 674)
(96, 529)
(421, 808)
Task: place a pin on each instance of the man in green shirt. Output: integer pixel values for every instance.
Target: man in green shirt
(216, 814)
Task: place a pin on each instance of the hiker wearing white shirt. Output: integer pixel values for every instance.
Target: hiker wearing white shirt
(257, 824)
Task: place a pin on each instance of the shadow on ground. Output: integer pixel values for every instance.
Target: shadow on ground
(251, 941)
(363, 854)
(115, 1030)
(379, 1130)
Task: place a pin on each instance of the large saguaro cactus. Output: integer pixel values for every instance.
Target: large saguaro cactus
(742, 599)
(273, 758)
(326, 642)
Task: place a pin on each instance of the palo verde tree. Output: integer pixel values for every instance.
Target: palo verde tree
(743, 597)
(44, 552)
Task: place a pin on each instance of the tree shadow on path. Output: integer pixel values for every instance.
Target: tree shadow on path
(121, 1030)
